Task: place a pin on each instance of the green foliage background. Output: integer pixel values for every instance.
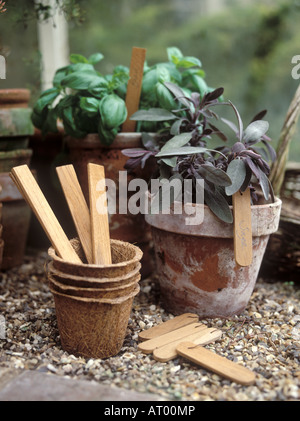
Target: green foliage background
(244, 46)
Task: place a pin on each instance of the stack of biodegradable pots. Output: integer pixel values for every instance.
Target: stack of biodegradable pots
(15, 129)
(93, 302)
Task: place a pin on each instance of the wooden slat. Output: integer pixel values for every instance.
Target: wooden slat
(149, 346)
(99, 215)
(242, 228)
(219, 365)
(168, 326)
(78, 207)
(134, 86)
(169, 352)
(31, 192)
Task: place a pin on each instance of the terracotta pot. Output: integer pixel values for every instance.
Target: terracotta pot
(196, 267)
(14, 98)
(16, 216)
(125, 227)
(11, 159)
(93, 328)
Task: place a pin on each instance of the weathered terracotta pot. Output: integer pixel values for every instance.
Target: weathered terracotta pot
(10, 159)
(125, 227)
(14, 98)
(196, 267)
(16, 216)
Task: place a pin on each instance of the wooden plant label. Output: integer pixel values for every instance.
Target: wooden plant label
(203, 337)
(242, 228)
(78, 207)
(134, 87)
(216, 363)
(99, 215)
(168, 326)
(148, 347)
(31, 192)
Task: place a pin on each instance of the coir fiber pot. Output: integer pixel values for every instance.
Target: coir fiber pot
(125, 259)
(93, 328)
(110, 292)
(196, 267)
(99, 283)
(125, 227)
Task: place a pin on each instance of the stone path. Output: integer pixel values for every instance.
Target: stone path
(39, 386)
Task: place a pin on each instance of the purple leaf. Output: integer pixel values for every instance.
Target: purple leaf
(134, 153)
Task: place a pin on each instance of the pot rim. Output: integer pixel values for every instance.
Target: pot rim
(121, 141)
(137, 258)
(88, 289)
(112, 301)
(265, 221)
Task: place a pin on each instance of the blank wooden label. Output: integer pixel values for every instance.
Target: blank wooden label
(216, 363)
(149, 346)
(78, 207)
(134, 86)
(242, 228)
(168, 326)
(203, 337)
(99, 215)
(32, 193)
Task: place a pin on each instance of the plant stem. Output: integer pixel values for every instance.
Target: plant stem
(287, 132)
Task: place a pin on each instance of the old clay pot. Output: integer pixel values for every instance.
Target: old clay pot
(196, 267)
(125, 227)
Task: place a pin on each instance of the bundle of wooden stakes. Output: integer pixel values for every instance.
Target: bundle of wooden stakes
(92, 224)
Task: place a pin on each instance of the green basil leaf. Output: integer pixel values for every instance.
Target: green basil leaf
(46, 99)
(95, 58)
(187, 62)
(90, 105)
(78, 58)
(174, 54)
(80, 80)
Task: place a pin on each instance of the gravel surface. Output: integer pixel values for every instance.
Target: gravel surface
(265, 338)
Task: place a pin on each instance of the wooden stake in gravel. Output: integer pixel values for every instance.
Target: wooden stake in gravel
(31, 192)
(134, 87)
(99, 215)
(78, 207)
